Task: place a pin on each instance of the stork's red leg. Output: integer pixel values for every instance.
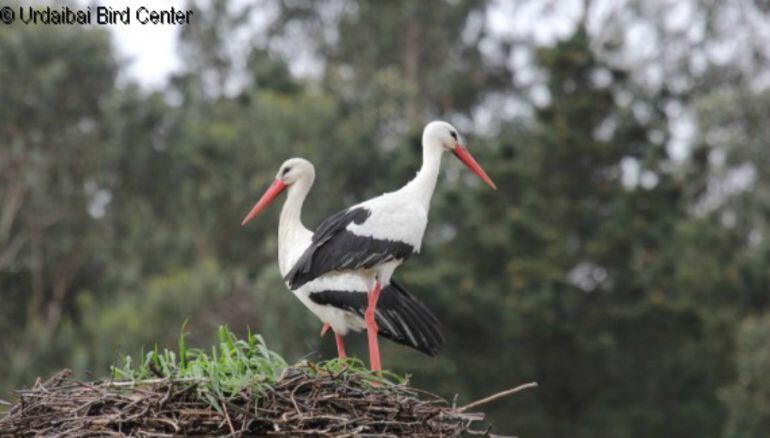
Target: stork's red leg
(325, 329)
(371, 328)
(340, 347)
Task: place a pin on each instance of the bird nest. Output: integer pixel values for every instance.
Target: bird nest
(299, 403)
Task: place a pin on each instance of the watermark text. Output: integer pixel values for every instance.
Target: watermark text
(98, 15)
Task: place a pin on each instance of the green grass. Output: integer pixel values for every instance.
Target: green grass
(231, 367)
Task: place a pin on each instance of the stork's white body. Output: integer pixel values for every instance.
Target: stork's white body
(293, 239)
(400, 216)
(395, 216)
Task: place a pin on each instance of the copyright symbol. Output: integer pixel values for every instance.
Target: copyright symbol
(6, 15)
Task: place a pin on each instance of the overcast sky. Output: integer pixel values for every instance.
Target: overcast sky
(151, 55)
(149, 50)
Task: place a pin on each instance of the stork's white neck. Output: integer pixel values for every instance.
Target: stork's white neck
(290, 227)
(424, 184)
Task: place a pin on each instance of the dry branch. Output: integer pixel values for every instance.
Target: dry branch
(496, 396)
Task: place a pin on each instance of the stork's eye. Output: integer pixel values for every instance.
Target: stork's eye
(285, 171)
(453, 134)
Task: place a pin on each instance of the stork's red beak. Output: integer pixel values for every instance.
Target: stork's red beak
(468, 160)
(274, 190)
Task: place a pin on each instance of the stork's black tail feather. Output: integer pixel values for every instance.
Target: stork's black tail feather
(401, 317)
(404, 319)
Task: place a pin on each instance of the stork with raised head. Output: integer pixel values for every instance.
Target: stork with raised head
(376, 236)
(340, 299)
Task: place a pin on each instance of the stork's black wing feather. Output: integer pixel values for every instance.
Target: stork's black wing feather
(401, 317)
(334, 248)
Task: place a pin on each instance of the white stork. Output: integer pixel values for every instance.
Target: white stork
(339, 299)
(376, 236)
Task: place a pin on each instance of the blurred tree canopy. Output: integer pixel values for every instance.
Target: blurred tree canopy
(623, 264)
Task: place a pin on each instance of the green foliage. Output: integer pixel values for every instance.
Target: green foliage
(226, 370)
(748, 398)
(232, 366)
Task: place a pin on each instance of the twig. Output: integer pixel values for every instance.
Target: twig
(494, 397)
(154, 381)
(227, 417)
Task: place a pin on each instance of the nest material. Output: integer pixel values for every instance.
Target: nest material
(300, 404)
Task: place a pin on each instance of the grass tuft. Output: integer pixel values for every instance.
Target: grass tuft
(233, 366)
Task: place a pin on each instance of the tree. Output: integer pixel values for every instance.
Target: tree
(748, 398)
(56, 84)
